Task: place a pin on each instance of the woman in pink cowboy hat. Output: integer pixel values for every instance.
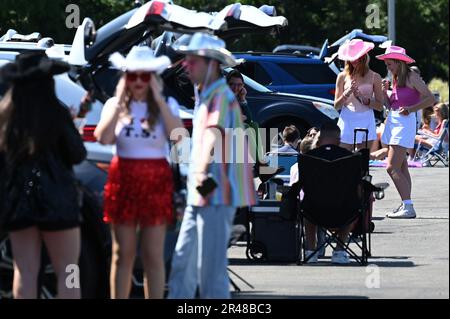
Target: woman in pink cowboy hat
(409, 94)
(358, 93)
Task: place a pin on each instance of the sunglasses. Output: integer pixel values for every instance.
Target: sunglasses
(133, 77)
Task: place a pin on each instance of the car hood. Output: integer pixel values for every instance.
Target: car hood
(303, 97)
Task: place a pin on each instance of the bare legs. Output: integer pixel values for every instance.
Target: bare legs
(122, 260)
(397, 168)
(152, 251)
(63, 248)
(124, 255)
(360, 146)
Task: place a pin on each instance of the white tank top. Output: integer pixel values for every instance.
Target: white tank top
(133, 139)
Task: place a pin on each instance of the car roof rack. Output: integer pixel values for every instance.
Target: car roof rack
(33, 37)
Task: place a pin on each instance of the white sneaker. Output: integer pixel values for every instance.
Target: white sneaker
(406, 213)
(314, 257)
(340, 257)
(399, 208)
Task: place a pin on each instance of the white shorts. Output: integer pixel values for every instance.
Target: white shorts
(400, 130)
(349, 121)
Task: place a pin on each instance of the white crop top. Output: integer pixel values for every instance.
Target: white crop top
(133, 139)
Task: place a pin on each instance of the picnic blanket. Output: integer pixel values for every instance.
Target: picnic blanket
(376, 163)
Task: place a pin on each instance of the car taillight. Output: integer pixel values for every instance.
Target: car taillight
(88, 133)
(187, 124)
(332, 92)
(156, 8)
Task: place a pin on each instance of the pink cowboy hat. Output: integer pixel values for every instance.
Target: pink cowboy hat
(353, 50)
(396, 53)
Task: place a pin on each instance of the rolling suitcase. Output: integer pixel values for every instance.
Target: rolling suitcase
(367, 226)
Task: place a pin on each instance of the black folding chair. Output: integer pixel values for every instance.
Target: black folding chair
(336, 195)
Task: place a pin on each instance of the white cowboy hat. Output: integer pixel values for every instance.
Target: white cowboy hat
(140, 58)
(208, 46)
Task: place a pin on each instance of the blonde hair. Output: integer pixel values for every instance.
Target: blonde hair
(5, 112)
(124, 95)
(361, 69)
(403, 73)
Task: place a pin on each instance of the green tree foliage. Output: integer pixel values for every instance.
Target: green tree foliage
(422, 25)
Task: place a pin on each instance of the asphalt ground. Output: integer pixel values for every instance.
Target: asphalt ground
(410, 257)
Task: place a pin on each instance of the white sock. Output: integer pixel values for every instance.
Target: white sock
(407, 202)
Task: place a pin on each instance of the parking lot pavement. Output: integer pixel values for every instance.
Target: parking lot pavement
(411, 257)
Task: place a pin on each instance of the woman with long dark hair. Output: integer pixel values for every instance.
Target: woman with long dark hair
(39, 201)
(139, 190)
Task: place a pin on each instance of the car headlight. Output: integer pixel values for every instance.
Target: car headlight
(327, 110)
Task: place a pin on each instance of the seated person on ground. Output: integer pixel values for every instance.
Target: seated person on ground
(291, 139)
(328, 148)
(305, 146)
(430, 138)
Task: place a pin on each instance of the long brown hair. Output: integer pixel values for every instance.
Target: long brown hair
(125, 98)
(361, 69)
(31, 119)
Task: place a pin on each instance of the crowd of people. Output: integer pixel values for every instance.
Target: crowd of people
(39, 145)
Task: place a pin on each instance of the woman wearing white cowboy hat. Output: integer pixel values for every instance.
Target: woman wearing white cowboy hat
(139, 189)
(409, 94)
(200, 257)
(358, 93)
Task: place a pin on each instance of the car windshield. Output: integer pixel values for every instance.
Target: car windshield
(255, 85)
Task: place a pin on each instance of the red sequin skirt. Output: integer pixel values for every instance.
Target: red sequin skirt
(139, 192)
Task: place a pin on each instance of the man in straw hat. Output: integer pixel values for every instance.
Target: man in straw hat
(216, 186)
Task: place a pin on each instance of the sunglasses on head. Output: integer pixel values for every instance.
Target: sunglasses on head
(133, 77)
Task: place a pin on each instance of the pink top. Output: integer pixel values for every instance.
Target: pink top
(403, 97)
(366, 90)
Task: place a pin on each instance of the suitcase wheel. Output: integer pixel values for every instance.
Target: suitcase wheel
(256, 251)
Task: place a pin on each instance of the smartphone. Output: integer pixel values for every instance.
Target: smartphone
(207, 187)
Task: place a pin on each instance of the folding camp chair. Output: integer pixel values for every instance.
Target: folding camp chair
(438, 153)
(336, 196)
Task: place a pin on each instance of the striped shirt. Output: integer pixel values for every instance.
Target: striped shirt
(231, 169)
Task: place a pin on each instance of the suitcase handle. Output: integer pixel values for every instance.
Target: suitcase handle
(363, 130)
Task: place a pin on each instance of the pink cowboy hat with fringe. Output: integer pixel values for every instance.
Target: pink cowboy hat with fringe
(354, 49)
(396, 53)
